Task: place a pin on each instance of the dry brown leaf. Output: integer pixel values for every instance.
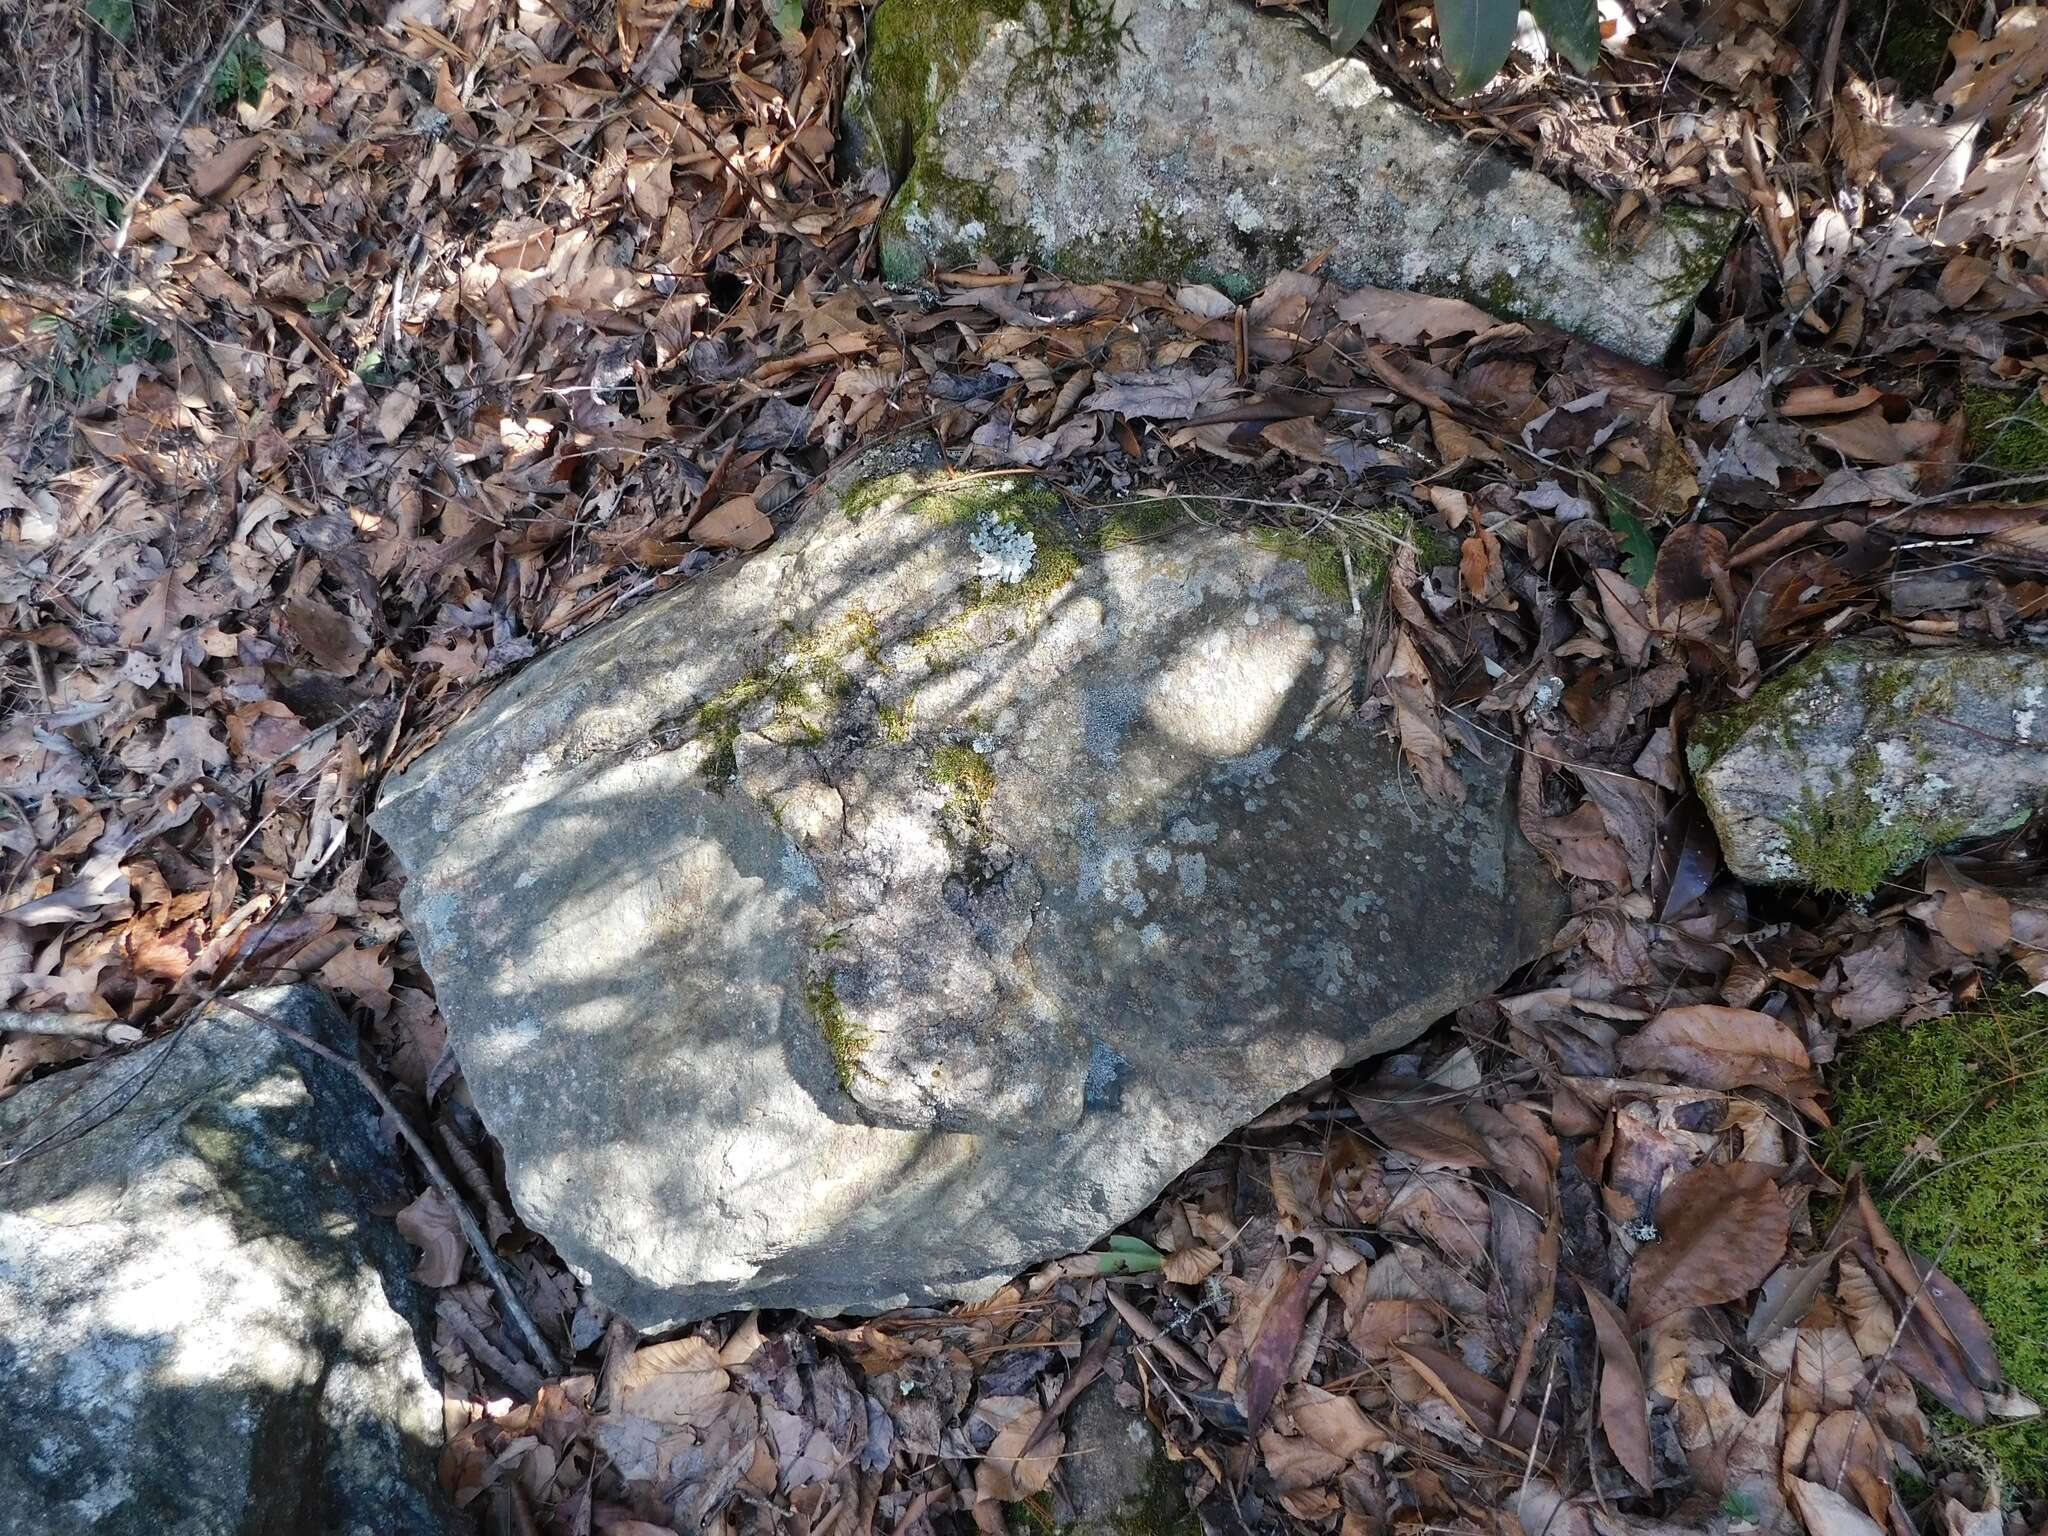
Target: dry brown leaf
(1006, 1473)
(1190, 1265)
(430, 1225)
(734, 524)
(1721, 1229)
(1827, 1513)
(1409, 685)
(215, 174)
(1715, 1047)
(1624, 1404)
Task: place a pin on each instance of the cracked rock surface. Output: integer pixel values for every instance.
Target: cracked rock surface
(852, 926)
(1198, 140)
(207, 1319)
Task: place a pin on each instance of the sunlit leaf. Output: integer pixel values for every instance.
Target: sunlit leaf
(1476, 36)
(1573, 27)
(1350, 20)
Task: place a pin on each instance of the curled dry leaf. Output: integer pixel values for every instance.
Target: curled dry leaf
(1721, 1229)
(1711, 1046)
(430, 1225)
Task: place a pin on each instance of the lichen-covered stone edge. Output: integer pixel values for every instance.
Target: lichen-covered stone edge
(916, 53)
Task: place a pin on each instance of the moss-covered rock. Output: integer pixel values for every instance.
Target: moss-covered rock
(908, 903)
(1198, 140)
(1950, 1119)
(1864, 757)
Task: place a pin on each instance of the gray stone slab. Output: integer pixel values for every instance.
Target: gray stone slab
(204, 1324)
(1866, 756)
(849, 927)
(1197, 139)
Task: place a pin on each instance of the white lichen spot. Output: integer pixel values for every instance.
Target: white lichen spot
(2023, 717)
(1185, 831)
(1545, 698)
(1005, 551)
(1152, 936)
(1245, 216)
(1159, 859)
(1193, 871)
(798, 869)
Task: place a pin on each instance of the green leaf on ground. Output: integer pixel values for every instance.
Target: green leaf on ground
(1350, 20)
(1637, 546)
(1476, 36)
(1573, 27)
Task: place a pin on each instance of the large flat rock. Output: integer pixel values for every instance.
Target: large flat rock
(204, 1323)
(1196, 139)
(853, 926)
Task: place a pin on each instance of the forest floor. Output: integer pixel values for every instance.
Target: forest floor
(349, 360)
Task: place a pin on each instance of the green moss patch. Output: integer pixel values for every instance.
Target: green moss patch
(968, 778)
(1974, 1088)
(844, 1038)
(1372, 543)
(1846, 845)
(2008, 432)
(804, 683)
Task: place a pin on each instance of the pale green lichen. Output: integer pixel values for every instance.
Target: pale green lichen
(1971, 1089)
(844, 1038)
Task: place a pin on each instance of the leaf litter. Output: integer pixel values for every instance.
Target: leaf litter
(446, 333)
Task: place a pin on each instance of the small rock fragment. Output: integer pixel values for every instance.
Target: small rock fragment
(1865, 757)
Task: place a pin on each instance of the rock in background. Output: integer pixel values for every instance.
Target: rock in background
(205, 1327)
(1196, 140)
(1865, 757)
(909, 903)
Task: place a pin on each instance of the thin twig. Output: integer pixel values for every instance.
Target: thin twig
(192, 97)
(68, 1026)
(537, 1347)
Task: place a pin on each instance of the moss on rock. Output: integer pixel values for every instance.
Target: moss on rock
(1970, 1088)
(844, 1038)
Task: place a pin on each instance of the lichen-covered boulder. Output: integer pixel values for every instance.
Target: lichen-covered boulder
(868, 920)
(1866, 756)
(1198, 139)
(206, 1325)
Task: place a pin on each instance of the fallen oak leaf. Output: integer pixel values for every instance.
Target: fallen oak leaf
(1723, 1227)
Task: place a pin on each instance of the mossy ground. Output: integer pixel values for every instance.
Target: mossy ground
(1849, 841)
(968, 778)
(1976, 1086)
(1372, 543)
(2008, 432)
(801, 683)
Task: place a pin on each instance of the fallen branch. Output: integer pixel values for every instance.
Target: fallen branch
(536, 1346)
(68, 1026)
